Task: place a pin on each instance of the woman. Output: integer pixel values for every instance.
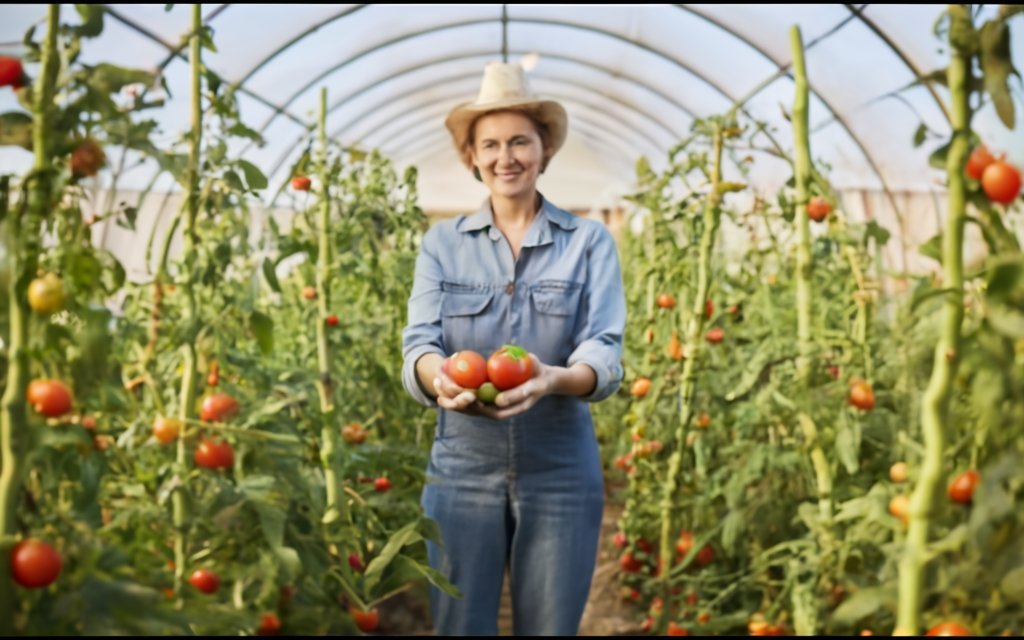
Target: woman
(516, 484)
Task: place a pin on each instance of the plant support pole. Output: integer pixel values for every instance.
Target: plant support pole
(190, 316)
(330, 447)
(712, 217)
(935, 402)
(24, 246)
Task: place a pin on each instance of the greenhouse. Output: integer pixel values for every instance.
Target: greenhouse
(511, 319)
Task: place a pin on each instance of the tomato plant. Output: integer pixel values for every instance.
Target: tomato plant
(34, 563)
(218, 408)
(467, 369)
(51, 398)
(509, 367)
(1001, 182)
(166, 430)
(961, 489)
(46, 294)
(205, 580)
(213, 454)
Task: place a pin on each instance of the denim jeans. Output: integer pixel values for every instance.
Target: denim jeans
(524, 493)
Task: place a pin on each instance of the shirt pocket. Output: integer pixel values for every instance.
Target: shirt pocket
(556, 305)
(462, 315)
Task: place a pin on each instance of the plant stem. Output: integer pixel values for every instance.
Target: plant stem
(190, 319)
(712, 218)
(330, 449)
(935, 402)
(24, 247)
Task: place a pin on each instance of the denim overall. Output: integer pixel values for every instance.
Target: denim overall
(524, 493)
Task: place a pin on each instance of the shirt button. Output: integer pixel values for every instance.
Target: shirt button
(510, 288)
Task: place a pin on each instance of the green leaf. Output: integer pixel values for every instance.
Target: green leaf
(920, 134)
(997, 66)
(253, 176)
(206, 40)
(291, 565)
(108, 78)
(1006, 320)
(16, 130)
(878, 232)
(861, 604)
(932, 248)
(271, 275)
(937, 160)
(233, 181)
(848, 446)
(732, 530)
(1012, 585)
(241, 131)
(92, 20)
(85, 271)
(263, 328)
(1006, 280)
(405, 536)
(921, 295)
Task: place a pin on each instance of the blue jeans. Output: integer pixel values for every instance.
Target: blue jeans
(525, 493)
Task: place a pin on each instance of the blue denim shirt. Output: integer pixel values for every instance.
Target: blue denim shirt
(562, 299)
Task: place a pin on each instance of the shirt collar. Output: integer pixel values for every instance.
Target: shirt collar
(540, 232)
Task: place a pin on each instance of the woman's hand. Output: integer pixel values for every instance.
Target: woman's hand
(453, 397)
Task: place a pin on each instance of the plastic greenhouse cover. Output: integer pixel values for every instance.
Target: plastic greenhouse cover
(632, 77)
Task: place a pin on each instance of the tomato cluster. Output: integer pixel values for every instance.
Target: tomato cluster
(999, 179)
(508, 367)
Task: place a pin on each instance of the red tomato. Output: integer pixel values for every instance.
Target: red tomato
(211, 454)
(619, 539)
(509, 367)
(218, 408)
(87, 159)
(961, 490)
(89, 423)
(367, 621)
(11, 71)
(332, 320)
(355, 562)
(467, 369)
(34, 563)
(704, 421)
(715, 335)
(269, 624)
(166, 430)
(1001, 182)
(644, 545)
(205, 580)
(818, 209)
(630, 564)
(214, 378)
(709, 308)
(978, 161)
(353, 433)
(861, 395)
(640, 387)
(50, 398)
(666, 301)
(301, 183)
(382, 484)
(674, 630)
(949, 629)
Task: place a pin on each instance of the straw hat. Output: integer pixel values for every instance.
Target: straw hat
(504, 87)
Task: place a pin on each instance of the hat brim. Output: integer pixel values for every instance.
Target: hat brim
(549, 112)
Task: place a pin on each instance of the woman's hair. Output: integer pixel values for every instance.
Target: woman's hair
(542, 130)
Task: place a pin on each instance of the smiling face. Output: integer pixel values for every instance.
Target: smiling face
(508, 149)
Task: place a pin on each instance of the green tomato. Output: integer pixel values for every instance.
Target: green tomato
(487, 393)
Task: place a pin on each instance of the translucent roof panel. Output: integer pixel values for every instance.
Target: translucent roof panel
(632, 77)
